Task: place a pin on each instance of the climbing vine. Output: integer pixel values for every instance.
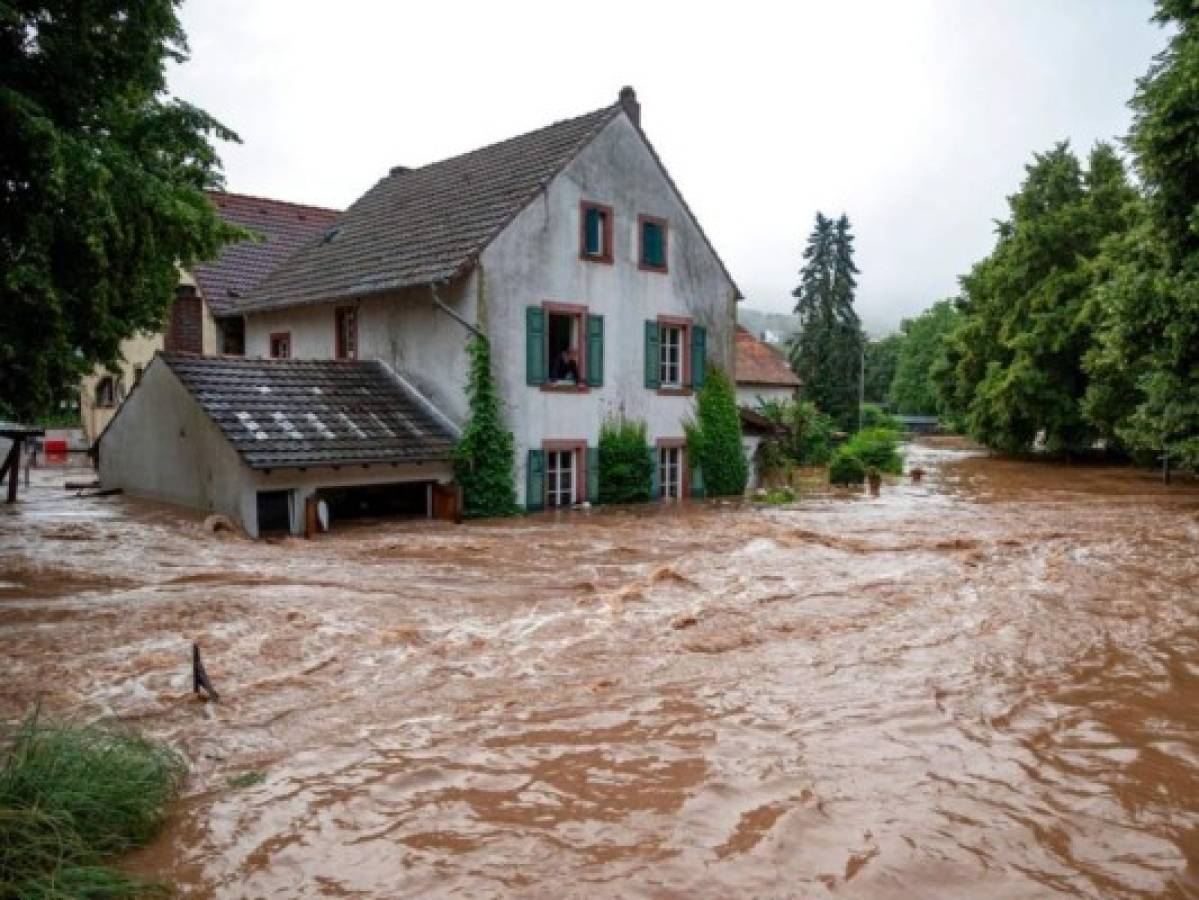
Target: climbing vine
(484, 458)
(714, 437)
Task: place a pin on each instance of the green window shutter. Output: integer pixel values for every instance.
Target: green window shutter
(594, 232)
(699, 355)
(595, 351)
(535, 481)
(697, 482)
(535, 364)
(593, 474)
(652, 354)
(654, 487)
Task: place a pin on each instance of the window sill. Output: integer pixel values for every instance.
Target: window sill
(565, 388)
(646, 267)
(588, 257)
(675, 392)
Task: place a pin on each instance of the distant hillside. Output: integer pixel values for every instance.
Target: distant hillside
(780, 325)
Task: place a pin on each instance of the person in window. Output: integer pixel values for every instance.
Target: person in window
(566, 367)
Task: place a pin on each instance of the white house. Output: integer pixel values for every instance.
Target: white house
(570, 248)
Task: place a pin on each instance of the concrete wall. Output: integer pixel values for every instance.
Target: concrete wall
(403, 329)
(537, 259)
(163, 446)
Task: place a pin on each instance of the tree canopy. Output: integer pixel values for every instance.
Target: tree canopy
(882, 356)
(912, 390)
(826, 354)
(101, 188)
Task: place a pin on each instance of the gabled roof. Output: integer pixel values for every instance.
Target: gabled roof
(283, 227)
(429, 225)
(287, 413)
(760, 364)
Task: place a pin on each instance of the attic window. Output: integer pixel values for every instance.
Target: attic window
(653, 236)
(281, 345)
(329, 235)
(595, 232)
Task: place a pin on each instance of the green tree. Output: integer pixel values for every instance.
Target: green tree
(484, 457)
(1145, 365)
(912, 388)
(101, 188)
(714, 437)
(1013, 364)
(882, 357)
(826, 353)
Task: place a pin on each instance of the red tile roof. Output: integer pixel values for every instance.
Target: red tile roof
(284, 227)
(760, 364)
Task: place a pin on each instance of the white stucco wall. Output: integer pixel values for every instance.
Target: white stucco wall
(751, 396)
(536, 259)
(403, 329)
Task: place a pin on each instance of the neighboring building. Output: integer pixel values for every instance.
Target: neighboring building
(762, 372)
(204, 318)
(256, 440)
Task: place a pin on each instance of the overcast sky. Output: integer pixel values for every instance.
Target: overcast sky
(916, 117)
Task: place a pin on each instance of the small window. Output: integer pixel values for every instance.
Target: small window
(670, 472)
(233, 336)
(137, 375)
(653, 243)
(347, 332)
(106, 392)
(561, 477)
(562, 343)
(281, 345)
(595, 240)
(670, 366)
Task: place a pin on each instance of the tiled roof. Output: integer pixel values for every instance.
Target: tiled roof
(760, 364)
(284, 228)
(420, 226)
(285, 413)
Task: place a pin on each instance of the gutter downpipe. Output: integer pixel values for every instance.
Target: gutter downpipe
(453, 315)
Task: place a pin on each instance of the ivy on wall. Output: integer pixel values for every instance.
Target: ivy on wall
(484, 457)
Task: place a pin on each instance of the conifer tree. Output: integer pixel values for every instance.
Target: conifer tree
(827, 352)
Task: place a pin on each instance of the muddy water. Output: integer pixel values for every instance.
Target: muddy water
(985, 685)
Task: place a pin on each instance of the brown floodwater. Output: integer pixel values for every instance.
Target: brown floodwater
(983, 685)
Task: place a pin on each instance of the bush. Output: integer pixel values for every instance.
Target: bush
(845, 468)
(775, 496)
(71, 799)
(484, 456)
(714, 437)
(877, 448)
(809, 431)
(875, 417)
(625, 467)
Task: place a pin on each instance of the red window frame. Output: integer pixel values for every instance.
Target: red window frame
(609, 216)
(679, 444)
(280, 338)
(665, 226)
(579, 450)
(341, 350)
(683, 323)
(579, 312)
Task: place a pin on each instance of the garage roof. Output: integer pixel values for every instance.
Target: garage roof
(293, 413)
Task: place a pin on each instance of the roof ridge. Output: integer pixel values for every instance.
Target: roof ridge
(261, 199)
(610, 109)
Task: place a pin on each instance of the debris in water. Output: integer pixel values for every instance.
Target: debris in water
(200, 683)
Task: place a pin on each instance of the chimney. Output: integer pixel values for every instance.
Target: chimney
(628, 99)
(399, 170)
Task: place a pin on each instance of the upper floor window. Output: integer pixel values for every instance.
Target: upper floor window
(281, 345)
(653, 237)
(595, 232)
(347, 332)
(670, 362)
(564, 347)
(106, 392)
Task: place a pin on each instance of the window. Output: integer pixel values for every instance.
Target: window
(106, 392)
(653, 243)
(233, 335)
(137, 375)
(562, 344)
(670, 364)
(561, 474)
(670, 472)
(595, 232)
(281, 345)
(347, 332)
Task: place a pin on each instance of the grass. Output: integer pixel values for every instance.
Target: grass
(73, 798)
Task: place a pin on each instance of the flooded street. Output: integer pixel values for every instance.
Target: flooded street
(984, 685)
